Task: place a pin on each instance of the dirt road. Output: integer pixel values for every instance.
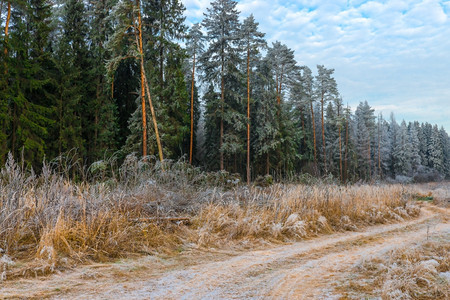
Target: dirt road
(304, 270)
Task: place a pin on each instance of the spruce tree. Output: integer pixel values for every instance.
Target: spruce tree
(220, 59)
(163, 30)
(31, 86)
(435, 148)
(73, 62)
(326, 90)
(402, 151)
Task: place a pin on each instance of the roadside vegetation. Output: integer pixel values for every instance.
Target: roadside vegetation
(49, 221)
(420, 271)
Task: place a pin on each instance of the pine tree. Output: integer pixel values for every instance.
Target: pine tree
(283, 68)
(194, 49)
(164, 28)
(128, 15)
(252, 40)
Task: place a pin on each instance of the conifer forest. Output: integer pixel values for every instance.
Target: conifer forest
(146, 156)
(99, 77)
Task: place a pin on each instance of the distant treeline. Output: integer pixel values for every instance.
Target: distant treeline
(103, 75)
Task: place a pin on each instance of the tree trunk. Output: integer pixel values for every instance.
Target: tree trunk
(323, 137)
(346, 150)
(191, 143)
(222, 100)
(155, 124)
(314, 138)
(379, 147)
(141, 54)
(248, 116)
(302, 119)
(340, 154)
(144, 83)
(8, 18)
(369, 160)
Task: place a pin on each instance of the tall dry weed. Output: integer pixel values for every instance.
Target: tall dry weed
(134, 208)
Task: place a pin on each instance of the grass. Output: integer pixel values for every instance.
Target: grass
(48, 221)
(421, 271)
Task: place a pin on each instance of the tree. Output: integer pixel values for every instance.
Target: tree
(307, 81)
(283, 69)
(266, 124)
(4, 86)
(365, 127)
(103, 126)
(194, 48)
(402, 151)
(326, 90)
(414, 141)
(252, 40)
(73, 67)
(219, 60)
(283, 65)
(435, 147)
(164, 29)
(129, 18)
(445, 142)
(31, 81)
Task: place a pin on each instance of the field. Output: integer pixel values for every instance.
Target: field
(138, 231)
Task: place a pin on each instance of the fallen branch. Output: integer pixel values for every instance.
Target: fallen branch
(167, 219)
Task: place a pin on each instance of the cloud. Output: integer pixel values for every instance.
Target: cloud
(393, 53)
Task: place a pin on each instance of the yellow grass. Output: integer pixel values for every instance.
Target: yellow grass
(54, 220)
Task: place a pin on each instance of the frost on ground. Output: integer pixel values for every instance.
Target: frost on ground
(418, 271)
(326, 267)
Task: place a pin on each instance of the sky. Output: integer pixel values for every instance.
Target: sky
(395, 53)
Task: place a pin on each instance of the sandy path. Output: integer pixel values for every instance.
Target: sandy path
(303, 270)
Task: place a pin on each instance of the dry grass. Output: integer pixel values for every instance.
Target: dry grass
(301, 211)
(421, 271)
(436, 192)
(51, 222)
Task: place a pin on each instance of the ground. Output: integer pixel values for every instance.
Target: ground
(318, 268)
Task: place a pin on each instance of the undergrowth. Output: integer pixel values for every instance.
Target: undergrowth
(49, 220)
(421, 271)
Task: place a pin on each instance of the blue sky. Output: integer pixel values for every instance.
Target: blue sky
(394, 54)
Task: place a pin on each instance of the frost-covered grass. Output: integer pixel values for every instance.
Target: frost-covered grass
(421, 271)
(298, 211)
(49, 221)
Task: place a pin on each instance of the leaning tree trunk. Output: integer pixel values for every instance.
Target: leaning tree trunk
(144, 84)
(142, 75)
